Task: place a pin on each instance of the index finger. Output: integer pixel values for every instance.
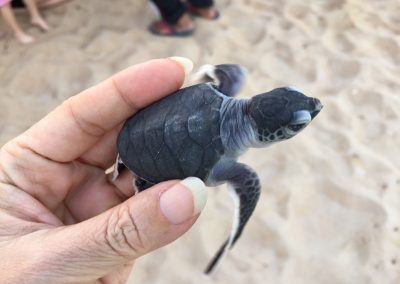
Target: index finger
(78, 123)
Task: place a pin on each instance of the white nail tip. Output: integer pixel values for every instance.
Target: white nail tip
(186, 63)
(199, 191)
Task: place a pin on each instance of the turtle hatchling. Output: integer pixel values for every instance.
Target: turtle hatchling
(201, 130)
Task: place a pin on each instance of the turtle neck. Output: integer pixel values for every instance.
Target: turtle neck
(237, 131)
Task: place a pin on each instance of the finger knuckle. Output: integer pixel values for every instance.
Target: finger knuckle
(122, 234)
(85, 124)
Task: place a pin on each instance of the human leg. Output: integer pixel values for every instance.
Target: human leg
(16, 4)
(10, 20)
(19, 4)
(202, 3)
(36, 18)
(171, 10)
(49, 3)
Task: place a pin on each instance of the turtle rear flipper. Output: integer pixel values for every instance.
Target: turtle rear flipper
(138, 183)
(142, 184)
(227, 78)
(118, 167)
(245, 192)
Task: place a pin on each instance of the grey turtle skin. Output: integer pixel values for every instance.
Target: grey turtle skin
(201, 131)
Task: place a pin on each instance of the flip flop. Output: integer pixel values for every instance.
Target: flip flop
(162, 28)
(195, 12)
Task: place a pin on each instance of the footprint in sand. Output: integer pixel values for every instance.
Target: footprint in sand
(322, 211)
(339, 141)
(342, 72)
(392, 20)
(237, 27)
(337, 42)
(328, 5)
(281, 65)
(369, 110)
(339, 21)
(306, 19)
(388, 49)
(375, 21)
(367, 100)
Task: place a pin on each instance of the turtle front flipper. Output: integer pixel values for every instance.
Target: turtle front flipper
(138, 183)
(227, 78)
(245, 193)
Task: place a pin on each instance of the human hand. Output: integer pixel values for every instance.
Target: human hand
(62, 218)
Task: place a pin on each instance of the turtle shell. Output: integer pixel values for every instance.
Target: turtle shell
(174, 138)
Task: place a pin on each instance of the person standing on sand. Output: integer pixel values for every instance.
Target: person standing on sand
(175, 16)
(36, 18)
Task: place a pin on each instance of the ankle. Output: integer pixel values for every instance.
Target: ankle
(24, 38)
(19, 34)
(37, 19)
(208, 12)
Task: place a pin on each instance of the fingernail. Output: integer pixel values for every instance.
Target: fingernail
(184, 200)
(199, 192)
(186, 63)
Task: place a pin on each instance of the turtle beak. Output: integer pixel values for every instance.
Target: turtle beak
(317, 107)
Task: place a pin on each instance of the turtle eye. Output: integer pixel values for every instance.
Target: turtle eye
(299, 120)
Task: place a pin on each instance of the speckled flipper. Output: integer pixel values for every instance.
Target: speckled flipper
(245, 192)
(227, 78)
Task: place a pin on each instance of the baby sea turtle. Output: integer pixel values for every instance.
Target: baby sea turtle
(201, 131)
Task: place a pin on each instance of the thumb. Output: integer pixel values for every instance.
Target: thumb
(147, 221)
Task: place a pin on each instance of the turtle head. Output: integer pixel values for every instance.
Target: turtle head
(281, 113)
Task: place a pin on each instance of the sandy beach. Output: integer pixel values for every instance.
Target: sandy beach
(329, 212)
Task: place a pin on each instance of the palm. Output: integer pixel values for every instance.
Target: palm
(93, 195)
(55, 173)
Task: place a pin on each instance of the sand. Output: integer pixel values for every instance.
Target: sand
(330, 206)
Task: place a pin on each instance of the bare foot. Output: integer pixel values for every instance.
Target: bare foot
(40, 23)
(24, 38)
(185, 23)
(209, 13)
